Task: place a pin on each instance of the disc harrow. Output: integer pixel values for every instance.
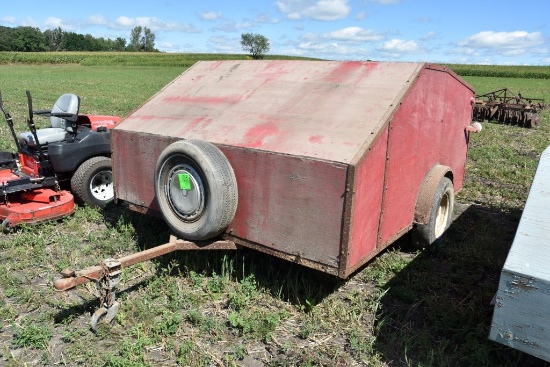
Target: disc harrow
(505, 107)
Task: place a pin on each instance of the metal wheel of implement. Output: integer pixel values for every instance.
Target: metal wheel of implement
(92, 183)
(441, 213)
(196, 189)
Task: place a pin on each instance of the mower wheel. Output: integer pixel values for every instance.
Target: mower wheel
(92, 182)
(196, 189)
(6, 226)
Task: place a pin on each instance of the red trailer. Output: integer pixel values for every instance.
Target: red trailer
(324, 163)
(330, 158)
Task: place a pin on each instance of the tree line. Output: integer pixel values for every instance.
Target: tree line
(31, 39)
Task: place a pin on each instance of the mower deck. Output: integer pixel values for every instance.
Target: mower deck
(35, 206)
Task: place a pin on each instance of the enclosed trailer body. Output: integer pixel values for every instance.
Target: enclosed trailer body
(330, 158)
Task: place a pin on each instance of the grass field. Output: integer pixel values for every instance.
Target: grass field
(405, 308)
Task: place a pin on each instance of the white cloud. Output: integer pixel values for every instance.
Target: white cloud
(53, 22)
(265, 19)
(10, 20)
(97, 20)
(354, 34)
(211, 15)
(396, 48)
(360, 16)
(232, 27)
(386, 2)
(29, 22)
(155, 24)
(329, 49)
(224, 44)
(503, 40)
(430, 36)
(314, 9)
(502, 43)
(125, 21)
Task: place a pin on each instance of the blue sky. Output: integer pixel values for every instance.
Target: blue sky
(467, 31)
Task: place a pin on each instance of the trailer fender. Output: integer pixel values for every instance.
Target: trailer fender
(196, 189)
(427, 191)
(434, 207)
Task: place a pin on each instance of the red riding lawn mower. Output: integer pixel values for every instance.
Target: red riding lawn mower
(75, 148)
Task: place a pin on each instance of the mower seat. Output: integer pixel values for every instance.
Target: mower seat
(59, 126)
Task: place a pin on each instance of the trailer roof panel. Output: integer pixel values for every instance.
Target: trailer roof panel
(321, 109)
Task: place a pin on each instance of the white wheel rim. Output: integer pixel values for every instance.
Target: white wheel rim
(188, 203)
(442, 217)
(101, 186)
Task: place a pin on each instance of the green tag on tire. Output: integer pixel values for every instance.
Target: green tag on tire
(185, 182)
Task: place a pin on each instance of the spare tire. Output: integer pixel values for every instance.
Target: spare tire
(196, 189)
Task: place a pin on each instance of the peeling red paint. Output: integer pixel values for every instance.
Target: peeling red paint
(316, 139)
(346, 69)
(204, 100)
(196, 123)
(255, 137)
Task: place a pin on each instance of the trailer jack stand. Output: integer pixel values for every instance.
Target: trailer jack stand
(108, 309)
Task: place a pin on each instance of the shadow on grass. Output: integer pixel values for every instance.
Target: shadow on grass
(286, 280)
(437, 311)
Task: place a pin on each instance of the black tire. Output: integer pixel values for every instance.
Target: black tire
(441, 215)
(6, 226)
(92, 182)
(196, 189)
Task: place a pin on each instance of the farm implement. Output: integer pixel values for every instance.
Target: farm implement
(505, 107)
(74, 148)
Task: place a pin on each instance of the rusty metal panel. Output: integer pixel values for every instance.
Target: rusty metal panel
(289, 204)
(521, 318)
(320, 109)
(427, 129)
(367, 203)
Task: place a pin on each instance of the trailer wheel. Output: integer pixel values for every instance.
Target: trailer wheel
(441, 213)
(92, 182)
(196, 189)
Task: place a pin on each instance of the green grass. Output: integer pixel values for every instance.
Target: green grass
(406, 308)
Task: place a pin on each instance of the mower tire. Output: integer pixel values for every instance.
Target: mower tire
(196, 189)
(92, 182)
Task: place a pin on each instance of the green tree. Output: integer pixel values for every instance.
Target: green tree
(28, 39)
(6, 38)
(148, 40)
(120, 44)
(54, 38)
(135, 37)
(256, 44)
(142, 39)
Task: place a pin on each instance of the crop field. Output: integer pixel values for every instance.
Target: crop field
(222, 308)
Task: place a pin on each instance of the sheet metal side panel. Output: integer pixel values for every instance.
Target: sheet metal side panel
(367, 200)
(290, 204)
(521, 317)
(319, 109)
(134, 160)
(427, 129)
(357, 251)
(293, 205)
